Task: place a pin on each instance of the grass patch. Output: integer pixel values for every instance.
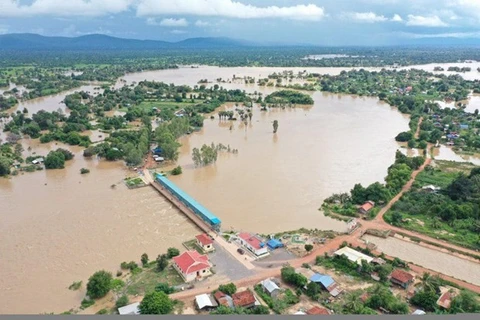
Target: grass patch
(134, 182)
(86, 303)
(192, 245)
(147, 281)
(75, 286)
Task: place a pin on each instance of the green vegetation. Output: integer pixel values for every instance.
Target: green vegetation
(177, 171)
(144, 259)
(102, 311)
(451, 213)
(288, 97)
(56, 159)
(223, 310)
(228, 289)
(279, 304)
(75, 286)
(275, 126)
(99, 284)
(172, 252)
(291, 277)
(122, 301)
(86, 303)
(156, 303)
(164, 287)
(84, 171)
(150, 280)
(134, 182)
(162, 262)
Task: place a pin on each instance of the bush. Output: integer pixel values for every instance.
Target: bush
(176, 171)
(103, 311)
(228, 289)
(404, 136)
(99, 284)
(164, 287)
(117, 284)
(144, 259)
(172, 252)
(86, 303)
(84, 171)
(308, 247)
(121, 302)
(55, 160)
(162, 262)
(75, 286)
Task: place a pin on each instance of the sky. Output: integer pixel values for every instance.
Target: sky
(318, 22)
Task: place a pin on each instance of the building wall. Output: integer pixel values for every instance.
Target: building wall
(192, 276)
(207, 248)
(258, 252)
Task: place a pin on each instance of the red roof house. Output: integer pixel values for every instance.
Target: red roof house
(244, 299)
(253, 243)
(205, 242)
(366, 207)
(402, 278)
(192, 265)
(317, 311)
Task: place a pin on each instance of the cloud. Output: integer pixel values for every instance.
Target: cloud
(458, 35)
(200, 23)
(169, 22)
(397, 18)
(13, 8)
(368, 17)
(425, 21)
(3, 29)
(176, 31)
(228, 8)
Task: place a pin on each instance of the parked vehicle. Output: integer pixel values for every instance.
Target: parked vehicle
(240, 250)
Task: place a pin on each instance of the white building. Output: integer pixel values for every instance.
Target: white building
(253, 243)
(353, 255)
(131, 309)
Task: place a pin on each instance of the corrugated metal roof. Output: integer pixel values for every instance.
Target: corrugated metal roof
(129, 309)
(205, 300)
(269, 285)
(324, 279)
(213, 219)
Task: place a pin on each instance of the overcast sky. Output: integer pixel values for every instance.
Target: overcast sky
(321, 22)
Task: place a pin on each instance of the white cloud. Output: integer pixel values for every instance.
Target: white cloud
(458, 35)
(397, 18)
(228, 8)
(13, 8)
(168, 22)
(200, 23)
(3, 29)
(368, 17)
(176, 31)
(425, 21)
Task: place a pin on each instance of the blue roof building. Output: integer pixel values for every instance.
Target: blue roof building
(274, 244)
(191, 203)
(325, 280)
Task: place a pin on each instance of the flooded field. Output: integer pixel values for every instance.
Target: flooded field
(446, 153)
(434, 260)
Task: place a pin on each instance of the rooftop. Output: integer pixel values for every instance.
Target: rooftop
(353, 255)
(324, 279)
(205, 300)
(204, 239)
(367, 206)
(269, 285)
(401, 276)
(252, 240)
(191, 261)
(129, 309)
(317, 311)
(243, 298)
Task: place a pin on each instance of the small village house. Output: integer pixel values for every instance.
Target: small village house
(366, 207)
(223, 299)
(244, 299)
(205, 302)
(270, 288)
(192, 265)
(353, 255)
(131, 309)
(205, 242)
(446, 297)
(316, 311)
(401, 278)
(253, 243)
(327, 283)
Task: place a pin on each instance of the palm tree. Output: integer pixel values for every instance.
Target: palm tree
(352, 303)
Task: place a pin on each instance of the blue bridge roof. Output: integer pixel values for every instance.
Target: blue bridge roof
(210, 216)
(324, 279)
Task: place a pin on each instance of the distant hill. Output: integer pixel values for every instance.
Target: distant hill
(28, 41)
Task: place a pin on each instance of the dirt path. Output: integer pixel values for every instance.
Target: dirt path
(417, 132)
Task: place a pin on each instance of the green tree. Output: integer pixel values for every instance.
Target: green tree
(156, 303)
(313, 289)
(55, 160)
(164, 287)
(427, 300)
(162, 262)
(121, 302)
(99, 284)
(5, 165)
(465, 302)
(275, 126)
(172, 252)
(308, 247)
(177, 171)
(144, 259)
(228, 289)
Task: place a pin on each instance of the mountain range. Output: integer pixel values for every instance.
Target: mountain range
(28, 41)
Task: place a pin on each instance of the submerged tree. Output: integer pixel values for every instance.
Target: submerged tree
(275, 126)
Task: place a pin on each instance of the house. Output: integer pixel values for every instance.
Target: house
(192, 265)
(38, 161)
(353, 255)
(318, 311)
(223, 299)
(131, 309)
(270, 287)
(401, 278)
(366, 207)
(307, 273)
(299, 313)
(244, 299)
(274, 244)
(253, 243)
(446, 298)
(205, 302)
(327, 283)
(205, 242)
(419, 312)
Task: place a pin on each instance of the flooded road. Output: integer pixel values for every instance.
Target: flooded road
(432, 259)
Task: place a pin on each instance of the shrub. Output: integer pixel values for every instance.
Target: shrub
(162, 262)
(103, 311)
(84, 171)
(75, 286)
(177, 170)
(86, 303)
(156, 303)
(228, 289)
(308, 247)
(117, 284)
(121, 302)
(164, 287)
(172, 252)
(144, 259)
(99, 284)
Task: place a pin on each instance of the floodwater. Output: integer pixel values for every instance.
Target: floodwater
(431, 259)
(58, 226)
(447, 153)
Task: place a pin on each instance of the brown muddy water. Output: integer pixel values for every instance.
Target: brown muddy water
(58, 226)
(432, 259)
